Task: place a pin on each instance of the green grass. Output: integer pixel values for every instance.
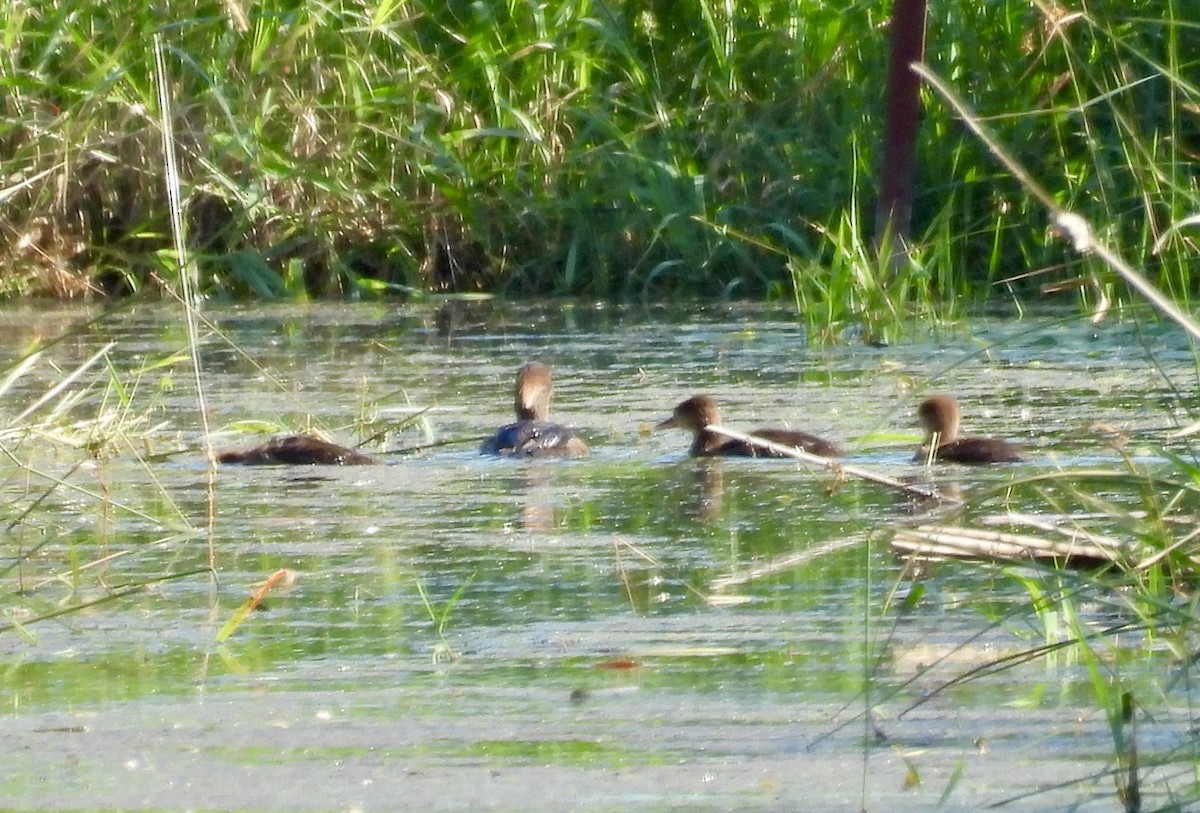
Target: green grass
(606, 149)
(1108, 622)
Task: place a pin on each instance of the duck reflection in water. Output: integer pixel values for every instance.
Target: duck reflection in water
(532, 434)
(940, 416)
(537, 490)
(296, 450)
(700, 411)
(709, 477)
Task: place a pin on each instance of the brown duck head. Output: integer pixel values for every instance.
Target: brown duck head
(693, 415)
(940, 416)
(532, 396)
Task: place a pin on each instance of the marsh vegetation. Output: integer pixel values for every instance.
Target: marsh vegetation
(636, 614)
(631, 622)
(616, 149)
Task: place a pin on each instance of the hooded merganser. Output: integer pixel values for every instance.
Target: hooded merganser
(700, 411)
(940, 416)
(296, 450)
(533, 435)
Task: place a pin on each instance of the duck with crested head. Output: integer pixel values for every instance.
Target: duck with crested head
(699, 412)
(533, 434)
(296, 450)
(940, 416)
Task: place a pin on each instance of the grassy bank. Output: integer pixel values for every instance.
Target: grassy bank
(607, 149)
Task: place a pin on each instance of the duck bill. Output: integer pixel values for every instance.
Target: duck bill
(669, 423)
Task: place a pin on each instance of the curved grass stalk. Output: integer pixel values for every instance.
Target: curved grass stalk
(58, 388)
(60, 482)
(188, 281)
(281, 579)
(1071, 224)
(116, 594)
(102, 561)
(835, 467)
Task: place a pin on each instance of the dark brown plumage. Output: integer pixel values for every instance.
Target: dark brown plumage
(940, 416)
(296, 450)
(533, 435)
(701, 411)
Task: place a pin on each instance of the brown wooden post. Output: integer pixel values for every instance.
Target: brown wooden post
(902, 115)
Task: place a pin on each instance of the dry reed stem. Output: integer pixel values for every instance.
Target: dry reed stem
(784, 563)
(1045, 524)
(835, 467)
(971, 543)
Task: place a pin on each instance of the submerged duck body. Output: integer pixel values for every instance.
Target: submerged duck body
(296, 450)
(534, 439)
(701, 411)
(533, 434)
(940, 416)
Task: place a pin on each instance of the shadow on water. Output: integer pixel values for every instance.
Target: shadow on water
(631, 630)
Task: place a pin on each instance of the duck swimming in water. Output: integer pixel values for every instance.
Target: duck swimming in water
(533, 435)
(940, 416)
(296, 450)
(700, 411)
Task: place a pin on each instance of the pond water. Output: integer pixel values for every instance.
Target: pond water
(633, 630)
